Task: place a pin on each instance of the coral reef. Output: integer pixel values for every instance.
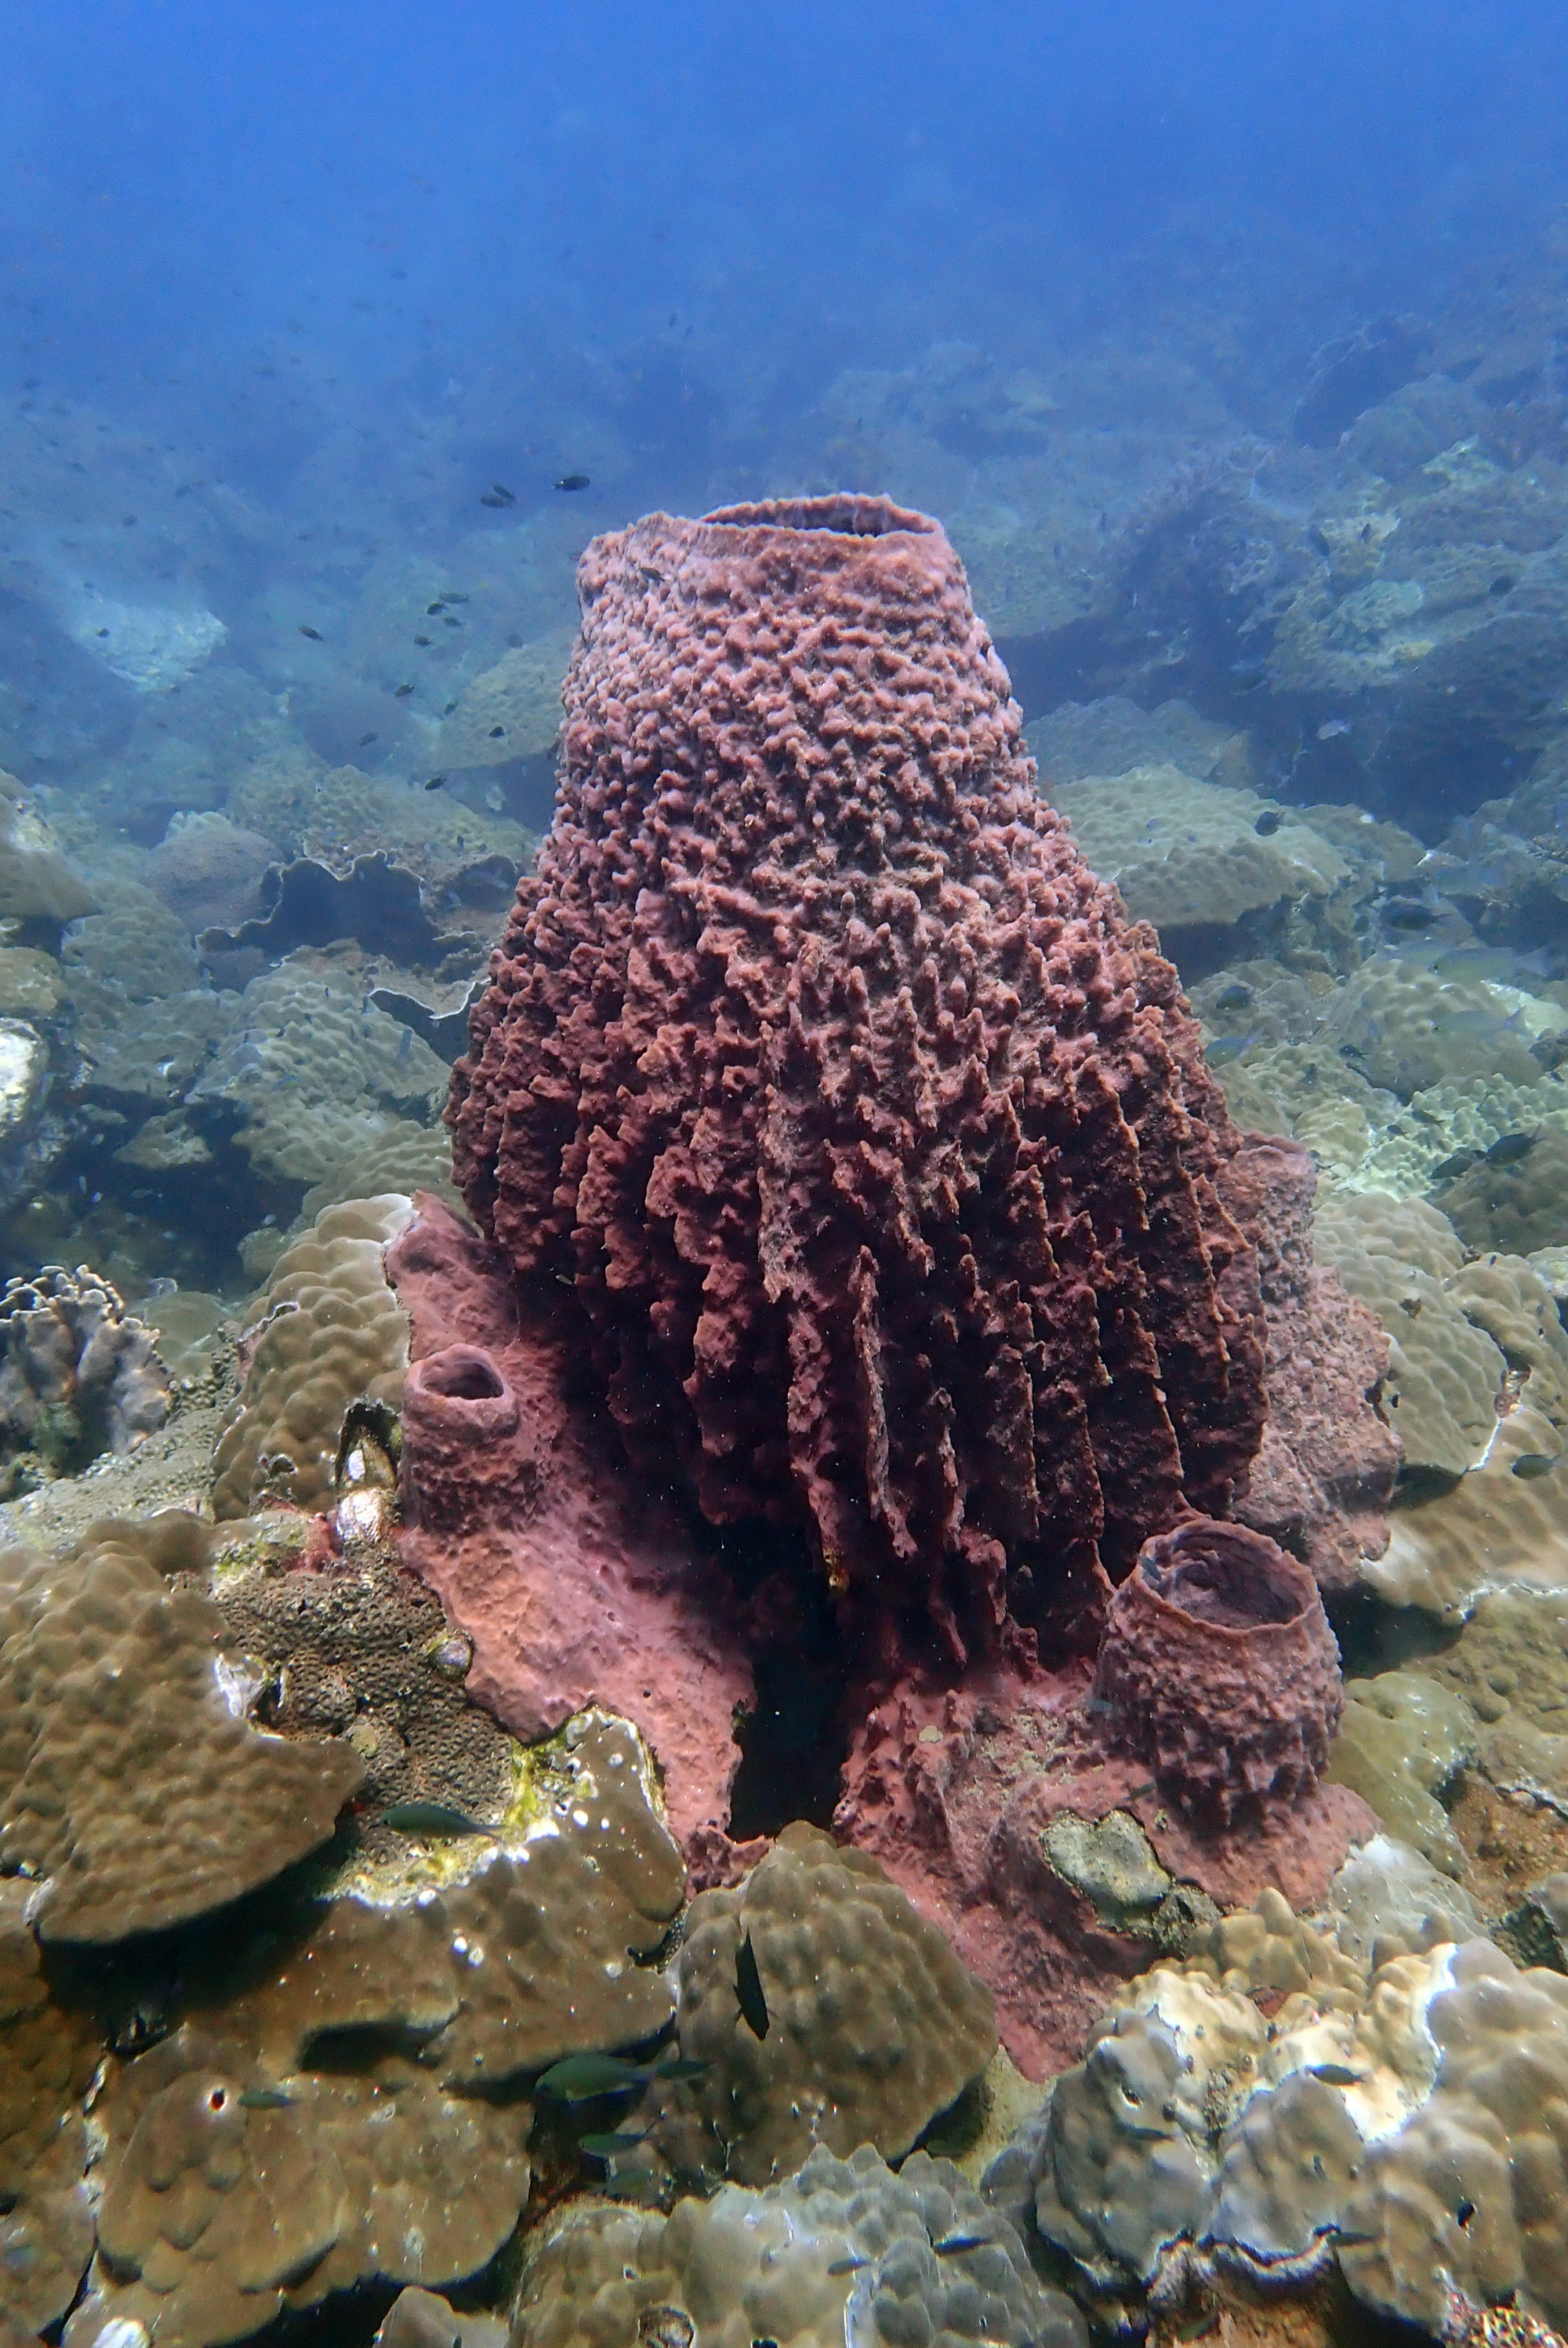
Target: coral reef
(78, 1375)
(133, 1787)
(1189, 854)
(1321, 1480)
(50, 2052)
(844, 2249)
(812, 1002)
(328, 1332)
(1516, 1207)
(873, 2025)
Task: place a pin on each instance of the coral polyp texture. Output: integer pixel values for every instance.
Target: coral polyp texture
(876, 1140)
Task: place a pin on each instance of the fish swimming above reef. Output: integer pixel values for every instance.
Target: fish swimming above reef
(1410, 913)
(1512, 1148)
(498, 494)
(573, 481)
(430, 1819)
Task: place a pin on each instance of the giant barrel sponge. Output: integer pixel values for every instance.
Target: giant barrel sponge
(875, 1140)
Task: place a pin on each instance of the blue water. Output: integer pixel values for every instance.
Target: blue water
(311, 315)
(513, 232)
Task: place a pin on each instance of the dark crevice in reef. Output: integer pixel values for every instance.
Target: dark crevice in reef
(791, 1739)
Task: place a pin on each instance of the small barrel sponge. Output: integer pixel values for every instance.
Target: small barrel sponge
(1220, 1669)
(48, 2052)
(1473, 2191)
(873, 2026)
(844, 2252)
(328, 1332)
(130, 1778)
(874, 1138)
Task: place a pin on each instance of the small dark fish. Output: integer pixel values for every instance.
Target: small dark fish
(848, 2266)
(572, 481)
(580, 2078)
(682, 2067)
(432, 608)
(424, 641)
(435, 782)
(498, 494)
(1336, 2074)
(952, 2246)
(314, 635)
(365, 740)
(1511, 1148)
(401, 691)
(1532, 1464)
(1142, 2134)
(265, 2099)
(1449, 1169)
(749, 1989)
(1225, 1049)
(498, 733)
(1234, 997)
(1138, 1792)
(430, 1819)
(1410, 913)
(1268, 823)
(627, 2185)
(608, 2148)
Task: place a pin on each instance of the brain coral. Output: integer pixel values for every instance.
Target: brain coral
(877, 1141)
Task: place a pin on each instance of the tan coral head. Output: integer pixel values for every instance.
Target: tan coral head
(1220, 1669)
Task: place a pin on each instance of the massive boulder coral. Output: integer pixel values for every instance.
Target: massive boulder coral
(328, 1332)
(877, 1144)
(872, 2025)
(48, 2055)
(844, 2250)
(133, 1788)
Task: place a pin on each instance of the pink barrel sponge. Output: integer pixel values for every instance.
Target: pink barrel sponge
(1218, 1667)
(875, 1140)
